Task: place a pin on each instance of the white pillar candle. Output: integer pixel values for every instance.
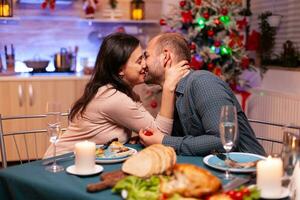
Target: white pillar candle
(269, 174)
(85, 154)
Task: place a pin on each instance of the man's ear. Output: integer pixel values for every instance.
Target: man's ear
(121, 73)
(165, 57)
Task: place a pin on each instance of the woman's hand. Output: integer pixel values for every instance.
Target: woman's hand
(150, 136)
(174, 73)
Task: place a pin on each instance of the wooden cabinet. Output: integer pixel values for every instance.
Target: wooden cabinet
(30, 96)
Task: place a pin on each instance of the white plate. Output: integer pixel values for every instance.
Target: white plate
(72, 170)
(114, 158)
(214, 162)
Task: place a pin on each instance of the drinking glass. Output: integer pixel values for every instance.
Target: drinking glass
(228, 133)
(53, 114)
(54, 132)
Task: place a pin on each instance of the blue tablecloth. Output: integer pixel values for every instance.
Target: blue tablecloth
(31, 181)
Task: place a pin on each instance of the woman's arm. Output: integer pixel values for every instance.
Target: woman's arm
(173, 75)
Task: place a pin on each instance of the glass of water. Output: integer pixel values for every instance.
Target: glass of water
(228, 132)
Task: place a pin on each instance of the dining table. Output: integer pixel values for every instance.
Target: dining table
(32, 181)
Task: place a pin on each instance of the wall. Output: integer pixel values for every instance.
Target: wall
(38, 33)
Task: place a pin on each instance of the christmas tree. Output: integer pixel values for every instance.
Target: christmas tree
(215, 30)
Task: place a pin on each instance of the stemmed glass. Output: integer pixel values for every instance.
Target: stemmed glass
(228, 132)
(54, 131)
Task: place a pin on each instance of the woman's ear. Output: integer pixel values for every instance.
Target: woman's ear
(121, 73)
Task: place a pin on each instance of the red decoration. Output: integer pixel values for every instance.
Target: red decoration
(196, 64)
(253, 41)
(210, 66)
(217, 43)
(51, 4)
(153, 104)
(242, 23)
(182, 3)
(198, 2)
(235, 39)
(245, 62)
(218, 71)
(217, 21)
(162, 22)
(206, 15)
(187, 17)
(210, 33)
(224, 11)
(193, 46)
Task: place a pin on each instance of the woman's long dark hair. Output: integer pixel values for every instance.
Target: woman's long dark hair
(112, 56)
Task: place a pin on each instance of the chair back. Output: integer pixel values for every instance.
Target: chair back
(24, 137)
(272, 143)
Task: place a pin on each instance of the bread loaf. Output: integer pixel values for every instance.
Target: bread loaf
(155, 159)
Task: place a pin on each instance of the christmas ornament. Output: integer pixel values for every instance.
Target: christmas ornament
(193, 46)
(196, 63)
(210, 33)
(217, 21)
(187, 17)
(225, 19)
(182, 3)
(50, 3)
(206, 15)
(197, 2)
(242, 23)
(210, 66)
(217, 71)
(162, 22)
(201, 22)
(217, 43)
(224, 11)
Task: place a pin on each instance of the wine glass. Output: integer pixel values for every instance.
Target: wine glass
(53, 114)
(228, 132)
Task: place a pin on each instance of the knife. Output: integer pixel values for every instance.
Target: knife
(236, 182)
(106, 145)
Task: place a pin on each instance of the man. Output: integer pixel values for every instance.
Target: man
(199, 98)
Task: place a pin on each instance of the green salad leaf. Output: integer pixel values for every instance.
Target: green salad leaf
(139, 188)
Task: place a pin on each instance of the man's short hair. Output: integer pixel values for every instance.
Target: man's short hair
(177, 43)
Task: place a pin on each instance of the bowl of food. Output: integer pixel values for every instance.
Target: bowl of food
(36, 64)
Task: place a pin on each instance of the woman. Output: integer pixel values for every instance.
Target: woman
(108, 107)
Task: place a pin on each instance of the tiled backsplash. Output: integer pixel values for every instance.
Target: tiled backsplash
(38, 33)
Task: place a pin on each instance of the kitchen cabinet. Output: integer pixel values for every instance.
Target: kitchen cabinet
(30, 96)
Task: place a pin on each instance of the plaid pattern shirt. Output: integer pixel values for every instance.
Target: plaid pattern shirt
(199, 98)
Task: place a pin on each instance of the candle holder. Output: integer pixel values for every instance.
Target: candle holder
(6, 8)
(137, 10)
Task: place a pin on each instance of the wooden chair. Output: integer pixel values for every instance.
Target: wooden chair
(271, 143)
(28, 142)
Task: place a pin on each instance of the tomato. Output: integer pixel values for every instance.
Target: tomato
(238, 196)
(231, 193)
(245, 191)
(148, 133)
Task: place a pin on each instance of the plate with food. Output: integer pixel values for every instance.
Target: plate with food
(238, 162)
(115, 152)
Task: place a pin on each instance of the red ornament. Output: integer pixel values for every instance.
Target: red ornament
(218, 71)
(187, 17)
(44, 5)
(245, 62)
(217, 21)
(217, 43)
(198, 2)
(193, 46)
(206, 15)
(153, 104)
(162, 22)
(224, 11)
(182, 3)
(210, 66)
(195, 63)
(242, 23)
(210, 33)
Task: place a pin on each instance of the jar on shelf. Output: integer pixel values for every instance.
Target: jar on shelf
(6, 8)
(137, 10)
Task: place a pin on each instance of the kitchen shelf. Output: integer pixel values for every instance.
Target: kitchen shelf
(9, 20)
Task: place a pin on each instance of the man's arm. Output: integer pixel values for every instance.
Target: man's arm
(208, 95)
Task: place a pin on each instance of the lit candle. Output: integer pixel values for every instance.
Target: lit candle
(137, 14)
(4, 10)
(85, 154)
(269, 174)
